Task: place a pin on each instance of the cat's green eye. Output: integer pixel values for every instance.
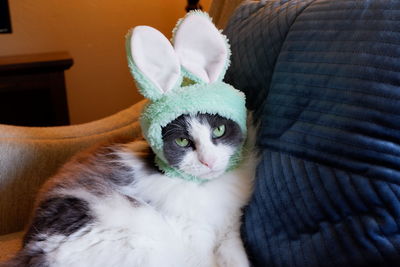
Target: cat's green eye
(218, 131)
(183, 142)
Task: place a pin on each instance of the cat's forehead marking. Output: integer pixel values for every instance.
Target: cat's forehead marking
(198, 129)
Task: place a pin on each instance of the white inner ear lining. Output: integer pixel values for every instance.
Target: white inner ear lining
(201, 48)
(155, 57)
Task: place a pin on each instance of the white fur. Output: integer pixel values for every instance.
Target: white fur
(175, 222)
(216, 156)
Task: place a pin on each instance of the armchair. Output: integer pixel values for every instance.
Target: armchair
(323, 78)
(29, 155)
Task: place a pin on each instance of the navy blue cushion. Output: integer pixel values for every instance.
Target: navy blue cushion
(323, 77)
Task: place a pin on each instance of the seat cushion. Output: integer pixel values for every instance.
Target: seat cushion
(324, 80)
(9, 245)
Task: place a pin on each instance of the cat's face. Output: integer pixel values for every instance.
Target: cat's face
(201, 145)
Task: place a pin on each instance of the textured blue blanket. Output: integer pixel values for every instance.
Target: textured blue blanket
(323, 77)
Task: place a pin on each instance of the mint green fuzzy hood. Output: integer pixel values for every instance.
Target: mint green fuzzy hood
(162, 72)
(217, 98)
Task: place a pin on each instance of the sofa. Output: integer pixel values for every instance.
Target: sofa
(323, 80)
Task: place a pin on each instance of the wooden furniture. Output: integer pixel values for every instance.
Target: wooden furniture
(32, 89)
(193, 5)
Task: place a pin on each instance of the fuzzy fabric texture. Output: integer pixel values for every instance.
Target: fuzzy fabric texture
(217, 98)
(199, 96)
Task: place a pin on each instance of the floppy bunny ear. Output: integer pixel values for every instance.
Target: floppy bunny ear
(153, 62)
(202, 50)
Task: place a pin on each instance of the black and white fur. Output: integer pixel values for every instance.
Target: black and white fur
(112, 207)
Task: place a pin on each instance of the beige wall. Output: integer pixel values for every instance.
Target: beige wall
(92, 31)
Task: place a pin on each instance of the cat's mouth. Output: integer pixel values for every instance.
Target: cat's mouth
(211, 174)
(202, 171)
(208, 173)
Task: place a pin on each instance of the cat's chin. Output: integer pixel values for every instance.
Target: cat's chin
(210, 174)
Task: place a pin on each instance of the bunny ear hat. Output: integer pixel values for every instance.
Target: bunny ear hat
(183, 78)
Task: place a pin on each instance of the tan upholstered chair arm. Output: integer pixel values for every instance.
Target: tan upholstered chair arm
(30, 155)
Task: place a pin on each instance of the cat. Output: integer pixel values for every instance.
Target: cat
(113, 207)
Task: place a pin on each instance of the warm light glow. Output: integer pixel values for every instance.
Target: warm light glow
(92, 31)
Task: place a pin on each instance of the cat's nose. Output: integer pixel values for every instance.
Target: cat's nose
(207, 163)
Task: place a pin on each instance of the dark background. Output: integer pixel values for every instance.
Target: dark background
(5, 23)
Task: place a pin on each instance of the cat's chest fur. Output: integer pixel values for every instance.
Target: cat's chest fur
(160, 220)
(191, 209)
(211, 202)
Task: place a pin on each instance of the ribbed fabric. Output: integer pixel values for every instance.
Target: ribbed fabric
(324, 80)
